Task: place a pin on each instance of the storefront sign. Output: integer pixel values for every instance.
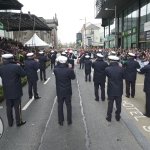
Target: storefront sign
(148, 36)
(126, 33)
(147, 26)
(142, 37)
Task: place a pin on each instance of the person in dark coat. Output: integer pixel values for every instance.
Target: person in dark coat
(31, 67)
(88, 65)
(11, 74)
(71, 58)
(64, 74)
(52, 57)
(82, 57)
(99, 77)
(146, 70)
(42, 66)
(115, 75)
(131, 67)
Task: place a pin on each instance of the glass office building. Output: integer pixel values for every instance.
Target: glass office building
(132, 27)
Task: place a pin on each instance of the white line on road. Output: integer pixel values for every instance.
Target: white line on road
(139, 84)
(1, 107)
(27, 105)
(38, 70)
(47, 80)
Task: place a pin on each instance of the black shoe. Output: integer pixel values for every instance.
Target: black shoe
(127, 96)
(85, 80)
(89, 80)
(132, 96)
(30, 97)
(69, 122)
(45, 79)
(103, 99)
(108, 119)
(22, 123)
(10, 124)
(41, 79)
(37, 97)
(148, 116)
(118, 118)
(60, 123)
(97, 99)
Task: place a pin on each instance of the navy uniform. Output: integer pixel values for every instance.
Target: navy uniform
(52, 57)
(71, 58)
(63, 76)
(131, 67)
(146, 70)
(82, 57)
(88, 65)
(31, 67)
(99, 77)
(115, 75)
(42, 66)
(11, 74)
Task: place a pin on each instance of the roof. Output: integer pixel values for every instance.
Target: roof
(10, 4)
(11, 22)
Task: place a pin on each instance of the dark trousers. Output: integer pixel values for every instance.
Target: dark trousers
(88, 76)
(118, 100)
(147, 105)
(16, 103)
(52, 65)
(60, 108)
(32, 85)
(42, 71)
(96, 87)
(132, 84)
(72, 63)
(81, 65)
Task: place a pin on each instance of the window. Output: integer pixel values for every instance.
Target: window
(148, 11)
(112, 26)
(134, 15)
(120, 22)
(101, 39)
(129, 17)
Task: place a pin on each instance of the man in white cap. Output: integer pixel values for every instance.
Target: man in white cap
(115, 75)
(99, 77)
(64, 74)
(88, 65)
(11, 74)
(52, 57)
(31, 67)
(71, 58)
(42, 66)
(131, 67)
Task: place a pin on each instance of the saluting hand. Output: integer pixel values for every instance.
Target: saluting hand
(36, 60)
(120, 64)
(69, 66)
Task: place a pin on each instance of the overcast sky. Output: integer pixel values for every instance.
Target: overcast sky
(68, 13)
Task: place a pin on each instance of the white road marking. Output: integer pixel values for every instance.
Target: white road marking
(47, 80)
(139, 84)
(38, 70)
(1, 107)
(53, 73)
(27, 105)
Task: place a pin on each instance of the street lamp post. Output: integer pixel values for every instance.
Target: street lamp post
(115, 22)
(84, 34)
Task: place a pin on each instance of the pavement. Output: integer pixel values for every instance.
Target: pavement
(89, 131)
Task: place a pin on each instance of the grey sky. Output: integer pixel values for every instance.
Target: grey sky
(68, 13)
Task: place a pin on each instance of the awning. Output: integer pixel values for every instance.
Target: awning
(11, 22)
(10, 4)
(1, 26)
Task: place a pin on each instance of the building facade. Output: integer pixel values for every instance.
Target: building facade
(131, 28)
(92, 35)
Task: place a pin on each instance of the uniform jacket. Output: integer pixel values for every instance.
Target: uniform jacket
(99, 71)
(11, 75)
(42, 61)
(71, 58)
(88, 65)
(31, 67)
(63, 76)
(131, 67)
(146, 70)
(115, 76)
(52, 57)
(82, 57)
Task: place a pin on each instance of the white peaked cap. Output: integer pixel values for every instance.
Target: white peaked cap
(115, 58)
(113, 52)
(52, 51)
(7, 56)
(87, 56)
(62, 59)
(63, 53)
(100, 50)
(30, 54)
(70, 51)
(131, 54)
(66, 51)
(41, 52)
(99, 55)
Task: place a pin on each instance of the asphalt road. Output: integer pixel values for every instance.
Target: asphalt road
(89, 131)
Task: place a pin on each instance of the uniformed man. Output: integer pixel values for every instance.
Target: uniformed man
(146, 70)
(115, 75)
(52, 57)
(71, 58)
(64, 54)
(42, 66)
(99, 77)
(11, 74)
(64, 74)
(82, 57)
(88, 65)
(131, 67)
(31, 67)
